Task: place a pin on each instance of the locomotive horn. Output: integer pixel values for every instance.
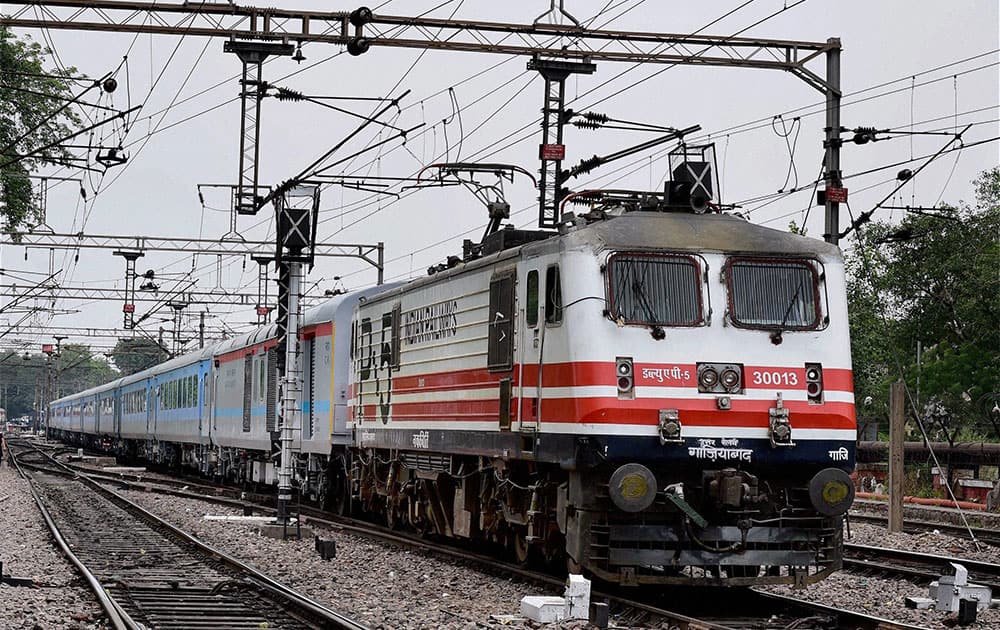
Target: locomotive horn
(699, 203)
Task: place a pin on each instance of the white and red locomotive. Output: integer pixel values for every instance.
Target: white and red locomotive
(658, 397)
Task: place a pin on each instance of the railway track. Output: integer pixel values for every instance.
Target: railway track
(148, 574)
(909, 564)
(983, 535)
(681, 608)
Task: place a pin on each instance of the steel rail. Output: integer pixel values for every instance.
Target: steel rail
(116, 616)
(917, 564)
(262, 502)
(267, 583)
(982, 534)
(852, 616)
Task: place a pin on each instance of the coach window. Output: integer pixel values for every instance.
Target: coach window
(531, 303)
(553, 296)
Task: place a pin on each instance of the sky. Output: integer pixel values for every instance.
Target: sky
(919, 65)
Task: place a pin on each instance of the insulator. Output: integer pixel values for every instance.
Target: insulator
(588, 165)
(586, 124)
(286, 94)
(596, 117)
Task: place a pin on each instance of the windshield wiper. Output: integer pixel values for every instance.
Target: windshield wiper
(776, 335)
(639, 290)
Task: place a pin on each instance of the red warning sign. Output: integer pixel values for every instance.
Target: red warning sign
(552, 151)
(836, 195)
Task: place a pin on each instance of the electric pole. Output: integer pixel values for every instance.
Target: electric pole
(297, 212)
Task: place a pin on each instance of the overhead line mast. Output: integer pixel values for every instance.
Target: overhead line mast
(361, 29)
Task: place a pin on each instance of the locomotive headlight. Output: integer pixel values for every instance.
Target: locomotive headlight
(708, 378)
(730, 379)
(831, 492)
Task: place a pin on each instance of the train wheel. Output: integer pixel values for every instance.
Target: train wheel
(392, 517)
(553, 550)
(340, 487)
(520, 546)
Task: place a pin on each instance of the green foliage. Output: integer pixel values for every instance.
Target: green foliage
(795, 228)
(24, 379)
(934, 281)
(30, 118)
(137, 354)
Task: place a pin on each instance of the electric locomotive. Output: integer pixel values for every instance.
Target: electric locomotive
(658, 393)
(658, 396)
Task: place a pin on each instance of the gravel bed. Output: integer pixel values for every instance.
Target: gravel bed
(933, 542)
(913, 511)
(885, 597)
(382, 585)
(391, 587)
(62, 600)
(882, 598)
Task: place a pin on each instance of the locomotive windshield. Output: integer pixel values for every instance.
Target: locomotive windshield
(654, 289)
(773, 294)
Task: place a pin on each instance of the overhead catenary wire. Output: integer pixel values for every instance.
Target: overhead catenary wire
(446, 89)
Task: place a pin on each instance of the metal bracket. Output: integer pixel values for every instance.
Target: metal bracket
(779, 426)
(670, 427)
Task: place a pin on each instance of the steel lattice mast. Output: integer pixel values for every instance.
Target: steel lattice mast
(362, 30)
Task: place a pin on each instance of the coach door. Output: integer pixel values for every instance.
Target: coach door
(118, 412)
(154, 405)
(500, 339)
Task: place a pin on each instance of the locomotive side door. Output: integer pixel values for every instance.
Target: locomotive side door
(531, 329)
(542, 312)
(500, 339)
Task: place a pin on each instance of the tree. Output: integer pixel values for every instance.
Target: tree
(24, 379)
(137, 354)
(932, 281)
(78, 369)
(32, 115)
